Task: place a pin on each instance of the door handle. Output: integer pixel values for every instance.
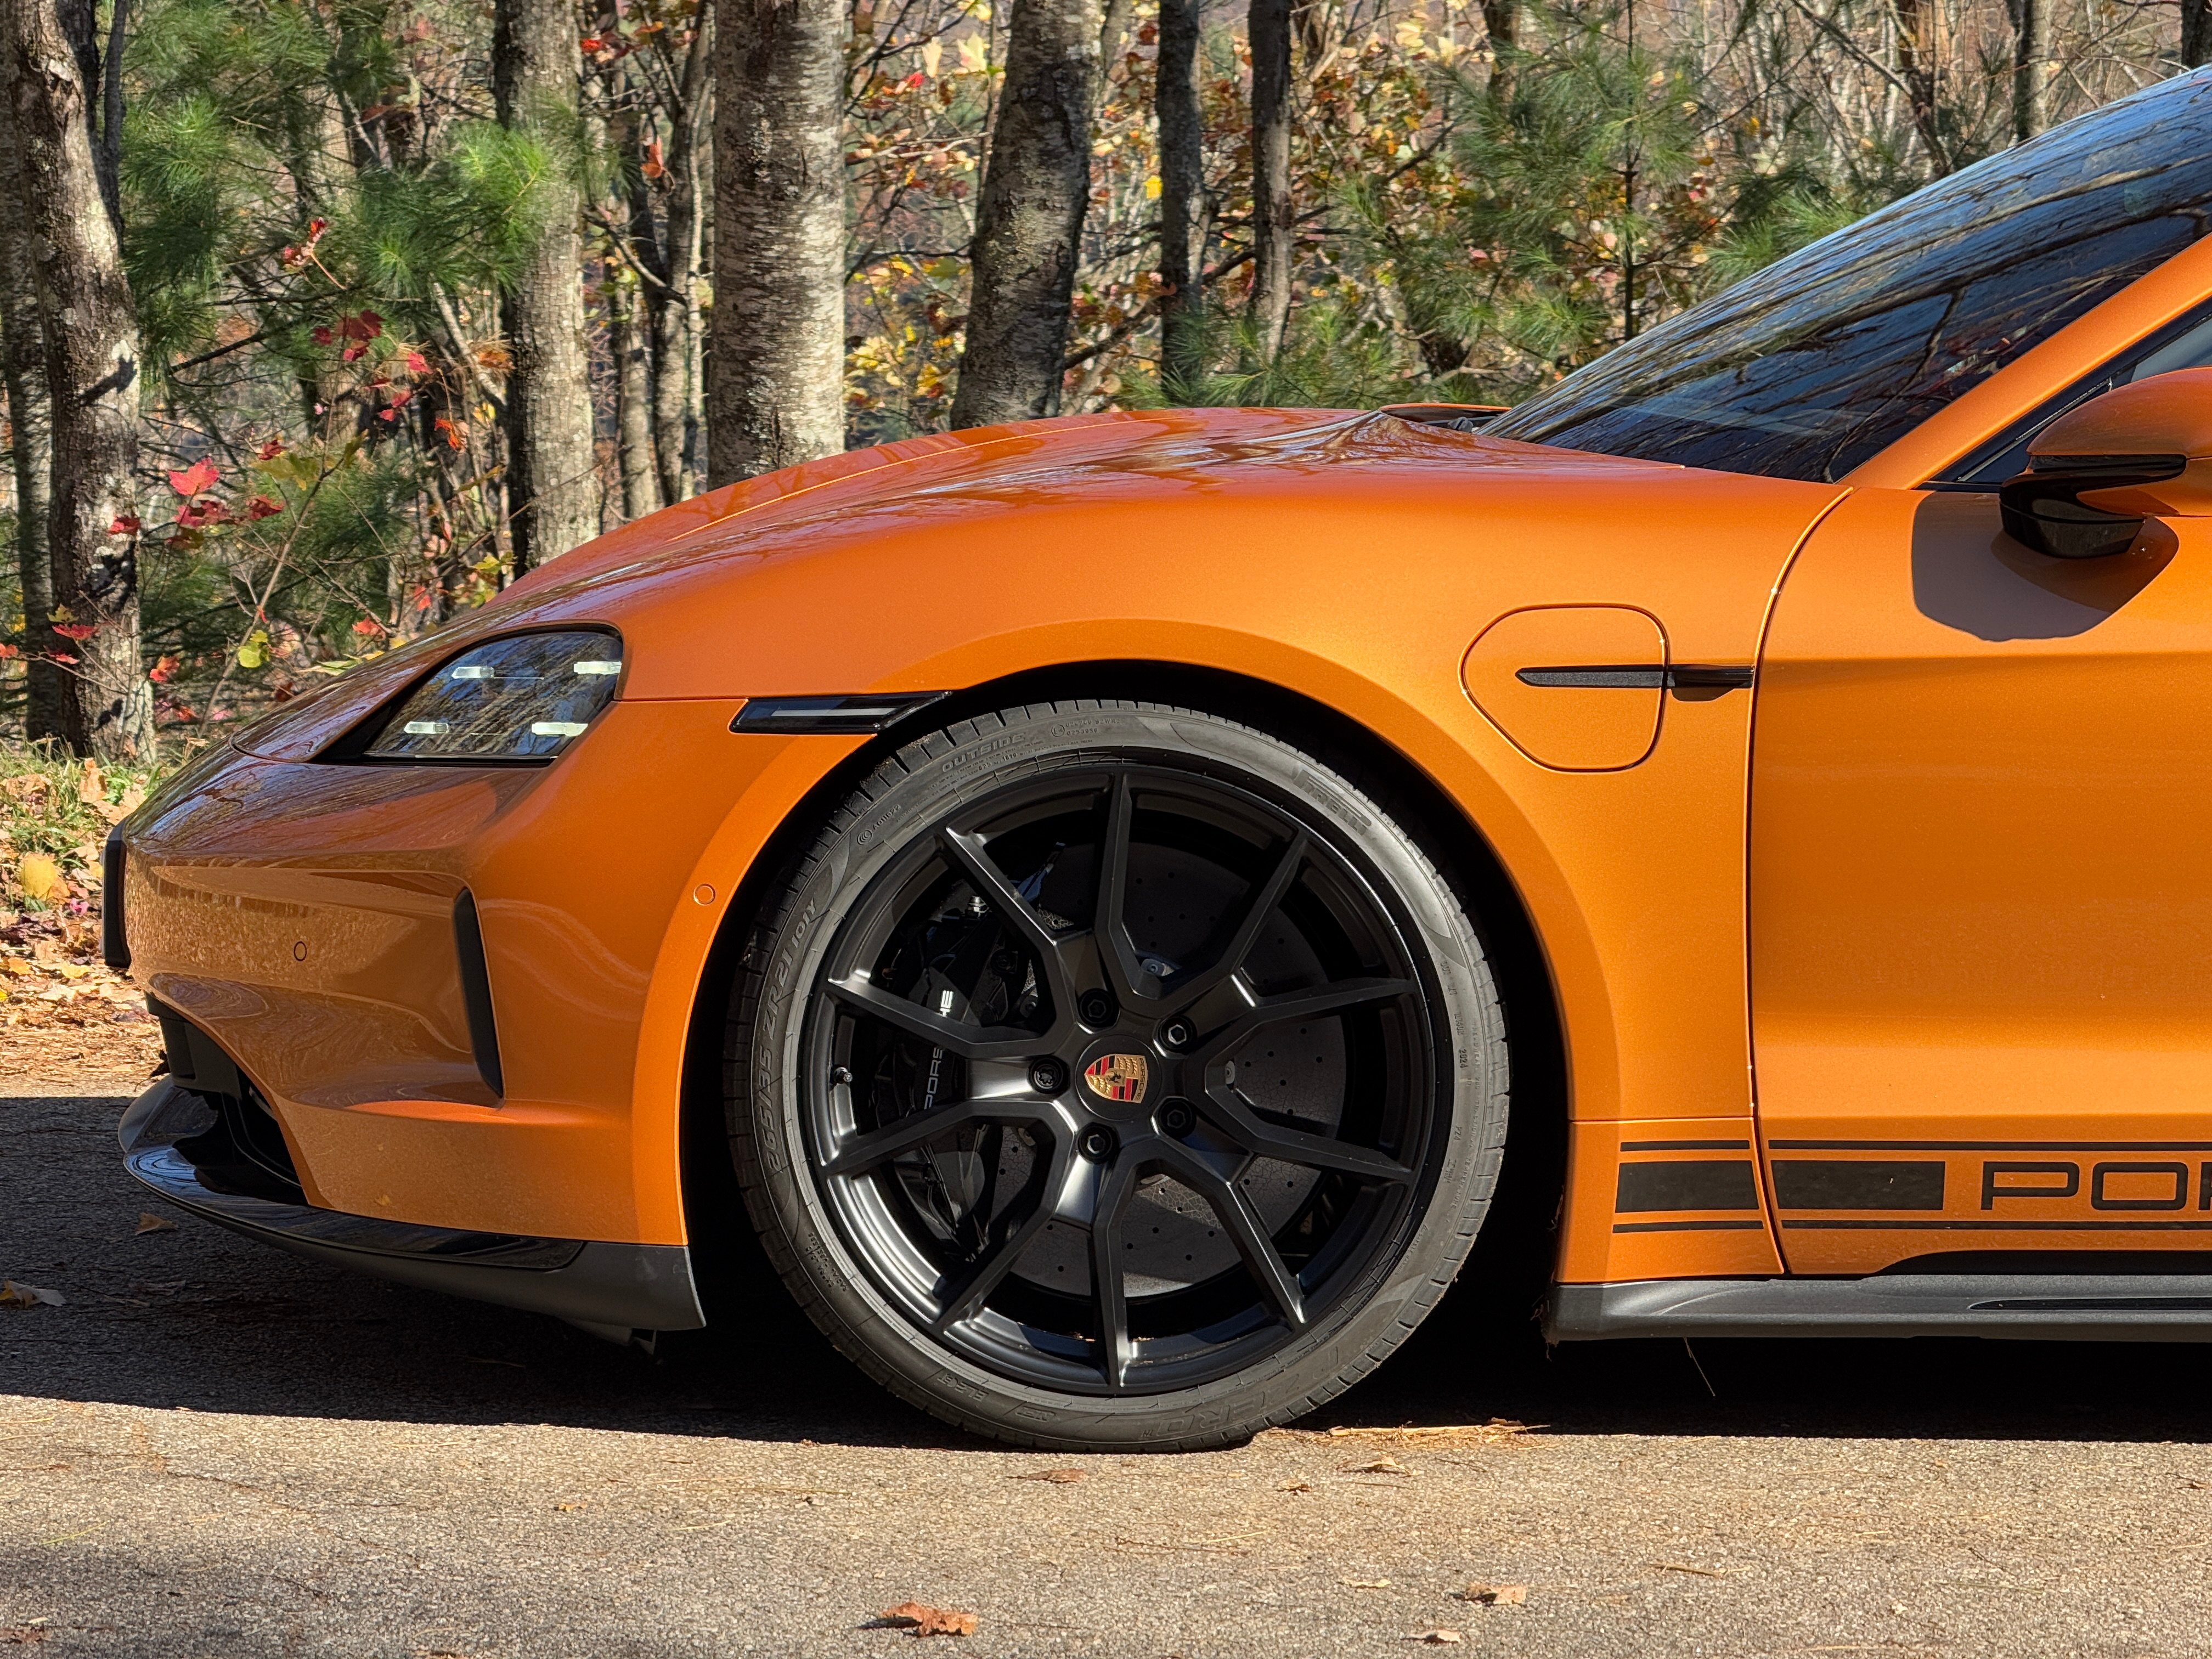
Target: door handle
(1642, 676)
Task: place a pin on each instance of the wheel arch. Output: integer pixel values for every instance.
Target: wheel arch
(1518, 1244)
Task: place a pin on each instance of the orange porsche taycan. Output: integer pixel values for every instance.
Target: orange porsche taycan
(1088, 890)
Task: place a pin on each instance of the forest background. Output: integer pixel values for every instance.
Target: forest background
(321, 319)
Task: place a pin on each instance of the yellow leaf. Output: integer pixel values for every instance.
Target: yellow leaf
(74, 970)
(41, 877)
(91, 788)
(149, 1223)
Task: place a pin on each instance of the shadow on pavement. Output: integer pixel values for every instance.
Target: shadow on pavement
(198, 1318)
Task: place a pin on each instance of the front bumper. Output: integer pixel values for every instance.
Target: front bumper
(610, 1289)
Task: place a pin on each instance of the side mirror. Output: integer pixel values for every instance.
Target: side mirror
(2141, 451)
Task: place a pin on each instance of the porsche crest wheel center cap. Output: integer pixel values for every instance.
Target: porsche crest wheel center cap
(1116, 1084)
(1118, 1078)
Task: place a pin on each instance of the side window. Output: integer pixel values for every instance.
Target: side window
(2185, 342)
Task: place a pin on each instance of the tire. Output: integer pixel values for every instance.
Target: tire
(1276, 1080)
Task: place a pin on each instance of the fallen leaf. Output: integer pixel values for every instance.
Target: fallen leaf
(569, 1508)
(1683, 1566)
(14, 1294)
(1499, 1596)
(41, 877)
(24, 1635)
(1498, 1428)
(91, 787)
(1367, 1584)
(1296, 1485)
(149, 1223)
(1438, 1638)
(1054, 1477)
(1385, 1464)
(928, 1620)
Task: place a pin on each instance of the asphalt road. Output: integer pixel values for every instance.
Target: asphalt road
(213, 1449)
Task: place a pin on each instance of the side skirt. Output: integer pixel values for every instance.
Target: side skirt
(2037, 1307)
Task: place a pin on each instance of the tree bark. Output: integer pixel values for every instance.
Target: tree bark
(2031, 69)
(1919, 62)
(641, 479)
(1182, 203)
(1273, 219)
(1028, 225)
(23, 363)
(91, 335)
(2195, 33)
(776, 361)
(553, 489)
(674, 309)
(1502, 20)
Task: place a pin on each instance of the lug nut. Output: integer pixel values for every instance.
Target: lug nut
(1177, 1118)
(1097, 1144)
(1048, 1076)
(1095, 1007)
(1178, 1033)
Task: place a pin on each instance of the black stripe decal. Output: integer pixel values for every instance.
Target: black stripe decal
(1685, 1145)
(1857, 1184)
(1689, 1226)
(2003, 1226)
(1990, 1146)
(1705, 1183)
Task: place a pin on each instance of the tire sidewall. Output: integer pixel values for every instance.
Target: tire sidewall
(938, 775)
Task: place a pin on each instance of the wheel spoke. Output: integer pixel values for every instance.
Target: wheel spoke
(1244, 1225)
(1265, 897)
(873, 1147)
(1108, 1288)
(1264, 1139)
(1006, 901)
(1338, 997)
(1011, 1235)
(1116, 957)
(968, 1042)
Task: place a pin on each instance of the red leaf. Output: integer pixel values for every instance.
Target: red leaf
(161, 672)
(316, 227)
(322, 337)
(206, 513)
(455, 438)
(362, 326)
(593, 43)
(199, 476)
(270, 450)
(126, 524)
(401, 397)
(9, 653)
(417, 363)
(262, 507)
(354, 352)
(76, 630)
(652, 167)
(368, 628)
(60, 656)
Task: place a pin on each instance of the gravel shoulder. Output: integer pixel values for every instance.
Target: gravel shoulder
(215, 1450)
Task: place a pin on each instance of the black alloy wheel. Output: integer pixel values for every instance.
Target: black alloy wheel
(1091, 1093)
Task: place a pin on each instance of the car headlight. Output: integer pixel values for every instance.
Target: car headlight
(524, 697)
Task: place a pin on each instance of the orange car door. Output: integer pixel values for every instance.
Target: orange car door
(1981, 890)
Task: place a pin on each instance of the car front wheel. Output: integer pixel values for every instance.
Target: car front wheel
(1115, 1076)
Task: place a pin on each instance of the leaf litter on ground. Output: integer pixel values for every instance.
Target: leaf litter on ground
(1496, 1595)
(14, 1293)
(925, 1621)
(150, 1222)
(1053, 1477)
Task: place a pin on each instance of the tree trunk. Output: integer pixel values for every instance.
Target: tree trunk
(91, 333)
(2031, 69)
(673, 308)
(1501, 19)
(1029, 224)
(2195, 33)
(1182, 203)
(776, 363)
(1920, 62)
(1273, 219)
(553, 488)
(24, 366)
(640, 480)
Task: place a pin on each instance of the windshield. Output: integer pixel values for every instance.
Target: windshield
(1825, 358)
